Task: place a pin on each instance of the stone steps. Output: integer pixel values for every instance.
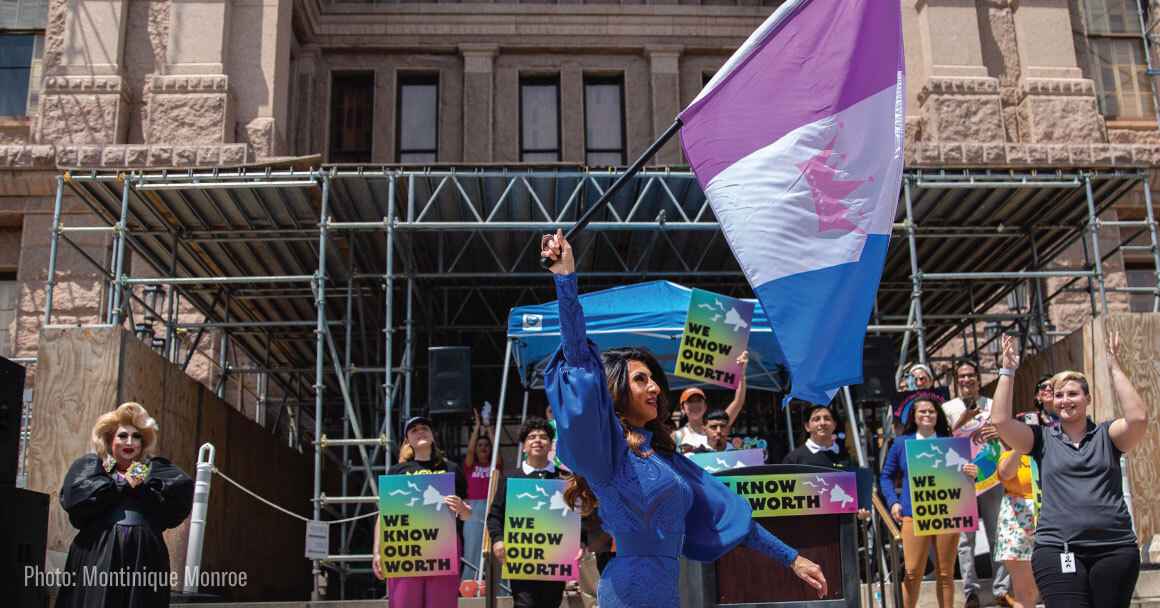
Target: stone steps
(1147, 596)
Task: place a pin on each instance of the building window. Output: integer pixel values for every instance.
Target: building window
(1140, 275)
(540, 119)
(352, 99)
(19, 72)
(417, 126)
(1115, 57)
(604, 121)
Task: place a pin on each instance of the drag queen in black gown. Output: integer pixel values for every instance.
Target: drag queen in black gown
(121, 498)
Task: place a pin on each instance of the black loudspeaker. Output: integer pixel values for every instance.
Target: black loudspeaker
(11, 408)
(448, 380)
(23, 533)
(879, 360)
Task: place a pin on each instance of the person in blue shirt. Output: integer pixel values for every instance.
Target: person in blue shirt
(925, 420)
(656, 503)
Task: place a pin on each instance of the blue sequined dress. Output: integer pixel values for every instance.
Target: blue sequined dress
(657, 508)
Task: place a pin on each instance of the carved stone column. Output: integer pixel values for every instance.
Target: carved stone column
(1057, 104)
(664, 63)
(84, 99)
(959, 102)
(190, 103)
(478, 93)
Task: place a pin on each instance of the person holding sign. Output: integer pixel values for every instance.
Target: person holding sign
(657, 504)
(425, 458)
(969, 416)
(536, 436)
(695, 433)
(1085, 549)
(926, 421)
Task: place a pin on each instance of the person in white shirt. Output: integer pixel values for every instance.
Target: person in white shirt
(693, 435)
(970, 416)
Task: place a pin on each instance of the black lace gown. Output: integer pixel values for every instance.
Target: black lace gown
(120, 532)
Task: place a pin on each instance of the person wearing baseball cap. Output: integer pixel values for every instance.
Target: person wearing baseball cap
(418, 456)
(693, 434)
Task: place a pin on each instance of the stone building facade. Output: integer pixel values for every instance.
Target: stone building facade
(193, 83)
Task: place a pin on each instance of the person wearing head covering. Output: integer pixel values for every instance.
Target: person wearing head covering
(120, 498)
(693, 434)
(421, 456)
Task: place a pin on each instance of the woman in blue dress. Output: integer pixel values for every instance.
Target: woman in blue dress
(656, 503)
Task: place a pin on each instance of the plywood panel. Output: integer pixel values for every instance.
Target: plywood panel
(143, 378)
(76, 382)
(1139, 352)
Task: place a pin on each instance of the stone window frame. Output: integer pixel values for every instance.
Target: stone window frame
(1095, 39)
(540, 79)
(405, 78)
(334, 155)
(605, 79)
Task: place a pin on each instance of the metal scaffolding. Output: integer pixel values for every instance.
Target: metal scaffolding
(292, 268)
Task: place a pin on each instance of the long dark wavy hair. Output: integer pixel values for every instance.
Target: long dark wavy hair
(942, 428)
(616, 361)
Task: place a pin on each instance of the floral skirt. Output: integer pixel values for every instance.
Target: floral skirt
(1016, 529)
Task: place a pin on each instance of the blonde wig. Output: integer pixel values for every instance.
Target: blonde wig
(127, 414)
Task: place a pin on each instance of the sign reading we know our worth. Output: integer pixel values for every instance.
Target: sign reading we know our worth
(541, 535)
(418, 530)
(716, 333)
(942, 498)
(797, 493)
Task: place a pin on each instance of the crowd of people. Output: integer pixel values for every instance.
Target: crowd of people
(609, 434)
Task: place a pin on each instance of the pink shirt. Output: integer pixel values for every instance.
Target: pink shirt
(477, 480)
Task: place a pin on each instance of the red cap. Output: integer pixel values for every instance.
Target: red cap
(692, 392)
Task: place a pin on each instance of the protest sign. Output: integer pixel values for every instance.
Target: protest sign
(942, 498)
(714, 462)
(541, 535)
(797, 493)
(716, 333)
(418, 530)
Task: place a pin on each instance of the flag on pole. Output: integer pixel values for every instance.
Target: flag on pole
(797, 142)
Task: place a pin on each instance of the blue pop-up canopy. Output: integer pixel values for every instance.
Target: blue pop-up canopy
(649, 314)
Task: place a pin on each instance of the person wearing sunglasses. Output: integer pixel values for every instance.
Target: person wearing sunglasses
(121, 497)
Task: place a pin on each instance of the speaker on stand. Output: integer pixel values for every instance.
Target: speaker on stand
(23, 513)
(879, 360)
(448, 380)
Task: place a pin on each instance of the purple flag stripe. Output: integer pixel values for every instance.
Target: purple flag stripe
(826, 57)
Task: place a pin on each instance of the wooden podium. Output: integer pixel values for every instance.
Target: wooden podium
(744, 578)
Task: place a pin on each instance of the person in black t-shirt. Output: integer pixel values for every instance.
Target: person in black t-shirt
(419, 456)
(821, 447)
(537, 437)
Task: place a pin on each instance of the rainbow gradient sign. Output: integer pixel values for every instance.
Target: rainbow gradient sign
(797, 493)
(715, 462)
(419, 537)
(942, 497)
(541, 535)
(716, 333)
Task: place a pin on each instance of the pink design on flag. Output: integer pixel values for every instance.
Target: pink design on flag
(830, 192)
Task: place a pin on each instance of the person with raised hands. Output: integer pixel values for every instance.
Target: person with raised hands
(1085, 549)
(658, 505)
